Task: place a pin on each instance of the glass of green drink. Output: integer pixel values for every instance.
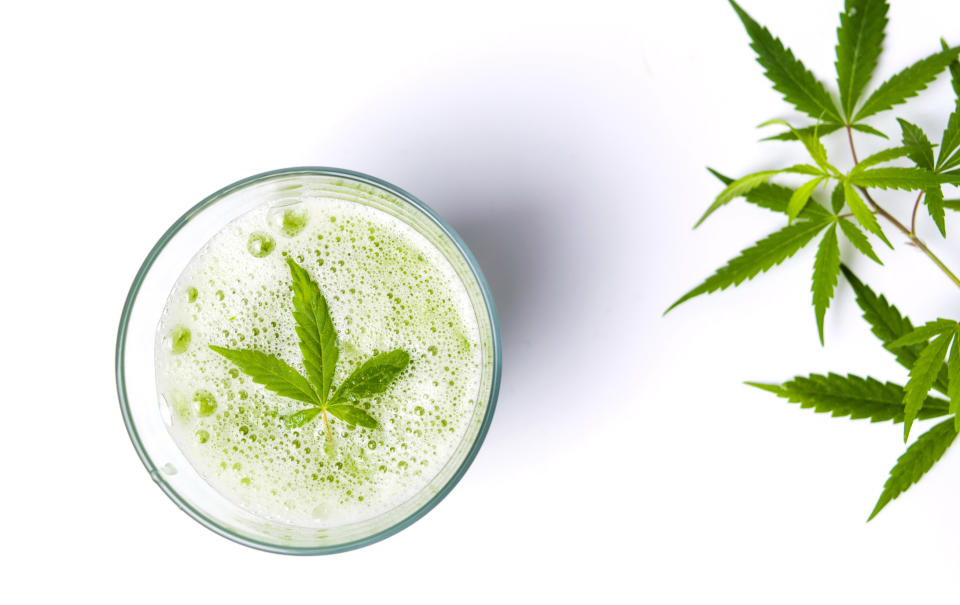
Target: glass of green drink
(308, 360)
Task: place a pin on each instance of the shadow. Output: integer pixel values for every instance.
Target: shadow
(539, 192)
(512, 253)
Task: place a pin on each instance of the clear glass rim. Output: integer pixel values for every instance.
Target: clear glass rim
(152, 469)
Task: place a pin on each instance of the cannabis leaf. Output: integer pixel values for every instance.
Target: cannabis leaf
(926, 368)
(917, 144)
(789, 76)
(852, 396)
(774, 197)
(916, 461)
(767, 253)
(373, 377)
(953, 377)
(888, 325)
(907, 83)
(921, 152)
(826, 270)
(887, 155)
(318, 346)
(858, 238)
(272, 372)
(859, 42)
(895, 177)
(861, 212)
(318, 338)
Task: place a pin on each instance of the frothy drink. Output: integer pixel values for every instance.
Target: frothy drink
(387, 288)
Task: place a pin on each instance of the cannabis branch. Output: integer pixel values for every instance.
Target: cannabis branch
(932, 351)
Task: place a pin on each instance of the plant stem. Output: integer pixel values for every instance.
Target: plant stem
(326, 425)
(913, 220)
(853, 149)
(910, 233)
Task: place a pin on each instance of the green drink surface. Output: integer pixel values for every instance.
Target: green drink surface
(387, 288)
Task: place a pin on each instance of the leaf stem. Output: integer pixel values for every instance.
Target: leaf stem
(853, 149)
(326, 425)
(910, 233)
(913, 220)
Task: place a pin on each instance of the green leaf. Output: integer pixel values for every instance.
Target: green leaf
(917, 144)
(851, 396)
(954, 70)
(868, 130)
(887, 155)
(819, 131)
(951, 139)
(860, 211)
(813, 144)
(922, 376)
(906, 84)
(916, 461)
(826, 270)
(953, 162)
(858, 239)
(924, 333)
(373, 377)
(804, 169)
(775, 197)
(798, 86)
(273, 373)
(837, 201)
(859, 42)
(353, 415)
(953, 380)
(768, 252)
(801, 196)
(736, 189)
(300, 418)
(887, 324)
(895, 177)
(952, 205)
(933, 198)
(318, 337)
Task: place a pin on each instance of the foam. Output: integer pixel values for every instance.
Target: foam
(387, 287)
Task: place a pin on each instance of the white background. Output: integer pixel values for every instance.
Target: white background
(567, 144)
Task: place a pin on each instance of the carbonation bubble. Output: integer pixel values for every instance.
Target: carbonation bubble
(203, 436)
(260, 244)
(288, 218)
(178, 340)
(206, 403)
(191, 294)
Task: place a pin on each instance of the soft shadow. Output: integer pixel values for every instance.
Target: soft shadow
(531, 188)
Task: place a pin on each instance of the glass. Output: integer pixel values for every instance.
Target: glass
(146, 416)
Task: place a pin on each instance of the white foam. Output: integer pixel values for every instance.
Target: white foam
(387, 287)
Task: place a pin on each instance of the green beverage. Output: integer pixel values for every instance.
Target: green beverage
(403, 360)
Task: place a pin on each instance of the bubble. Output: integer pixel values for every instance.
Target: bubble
(260, 244)
(202, 436)
(178, 341)
(288, 218)
(169, 469)
(191, 294)
(206, 403)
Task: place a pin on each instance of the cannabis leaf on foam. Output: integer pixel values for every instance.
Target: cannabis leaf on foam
(318, 346)
(931, 352)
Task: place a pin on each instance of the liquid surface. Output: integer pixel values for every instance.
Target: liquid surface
(387, 288)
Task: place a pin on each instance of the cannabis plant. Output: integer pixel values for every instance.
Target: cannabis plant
(856, 211)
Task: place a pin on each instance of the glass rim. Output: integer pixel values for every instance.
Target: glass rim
(148, 262)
